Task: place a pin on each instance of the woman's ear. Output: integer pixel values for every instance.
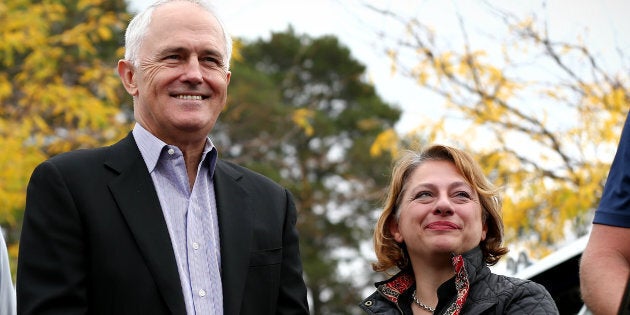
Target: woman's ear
(395, 231)
(484, 223)
(127, 74)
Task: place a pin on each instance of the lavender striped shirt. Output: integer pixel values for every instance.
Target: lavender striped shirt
(191, 218)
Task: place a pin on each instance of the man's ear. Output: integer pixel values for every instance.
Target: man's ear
(127, 74)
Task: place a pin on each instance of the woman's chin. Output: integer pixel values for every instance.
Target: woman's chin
(445, 247)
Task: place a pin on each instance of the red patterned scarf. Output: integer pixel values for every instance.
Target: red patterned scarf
(395, 287)
(461, 284)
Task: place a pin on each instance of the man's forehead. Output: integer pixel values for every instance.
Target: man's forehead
(184, 28)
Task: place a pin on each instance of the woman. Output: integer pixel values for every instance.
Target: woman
(441, 228)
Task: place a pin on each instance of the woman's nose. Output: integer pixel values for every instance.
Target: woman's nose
(443, 206)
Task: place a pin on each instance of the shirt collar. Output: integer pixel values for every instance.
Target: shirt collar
(151, 148)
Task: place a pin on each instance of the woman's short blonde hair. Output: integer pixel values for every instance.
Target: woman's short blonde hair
(390, 253)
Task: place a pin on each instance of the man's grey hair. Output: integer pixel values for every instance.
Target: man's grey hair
(138, 28)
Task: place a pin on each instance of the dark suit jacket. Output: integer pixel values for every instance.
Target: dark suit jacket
(94, 240)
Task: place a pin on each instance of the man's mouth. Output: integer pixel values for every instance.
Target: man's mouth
(189, 97)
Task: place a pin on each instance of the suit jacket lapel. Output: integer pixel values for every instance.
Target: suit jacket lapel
(234, 212)
(138, 201)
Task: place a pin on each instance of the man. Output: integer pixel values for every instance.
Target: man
(605, 264)
(157, 224)
(7, 291)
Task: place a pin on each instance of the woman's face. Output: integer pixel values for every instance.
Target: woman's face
(440, 212)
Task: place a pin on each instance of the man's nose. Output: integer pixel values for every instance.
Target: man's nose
(192, 72)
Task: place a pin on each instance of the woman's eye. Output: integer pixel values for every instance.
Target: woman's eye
(462, 195)
(422, 194)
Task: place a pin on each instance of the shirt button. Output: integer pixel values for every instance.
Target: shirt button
(195, 245)
(171, 151)
(202, 293)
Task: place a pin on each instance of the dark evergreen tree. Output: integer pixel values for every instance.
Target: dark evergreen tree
(301, 111)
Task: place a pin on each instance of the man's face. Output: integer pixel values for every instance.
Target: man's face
(180, 85)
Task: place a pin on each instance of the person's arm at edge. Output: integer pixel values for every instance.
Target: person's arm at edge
(604, 268)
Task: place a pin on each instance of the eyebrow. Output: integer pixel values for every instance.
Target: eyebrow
(178, 49)
(450, 186)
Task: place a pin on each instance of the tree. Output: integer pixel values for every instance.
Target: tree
(58, 88)
(301, 112)
(540, 113)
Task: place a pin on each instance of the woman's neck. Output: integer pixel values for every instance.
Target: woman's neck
(429, 275)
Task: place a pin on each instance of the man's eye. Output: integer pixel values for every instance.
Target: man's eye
(212, 61)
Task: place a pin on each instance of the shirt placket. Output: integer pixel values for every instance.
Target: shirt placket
(203, 265)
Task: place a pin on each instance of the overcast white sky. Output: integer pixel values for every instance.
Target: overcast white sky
(602, 22)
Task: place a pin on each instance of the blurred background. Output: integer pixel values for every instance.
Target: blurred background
(325, 94)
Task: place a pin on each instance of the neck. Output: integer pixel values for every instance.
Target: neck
(192, 147)
(192, 159)
(429, 275)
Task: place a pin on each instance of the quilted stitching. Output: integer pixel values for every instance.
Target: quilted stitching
(489, 293)
(509, 295)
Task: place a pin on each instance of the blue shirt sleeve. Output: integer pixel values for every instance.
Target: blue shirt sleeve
(614, 207)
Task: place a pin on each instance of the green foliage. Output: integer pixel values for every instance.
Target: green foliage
(300, 111)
